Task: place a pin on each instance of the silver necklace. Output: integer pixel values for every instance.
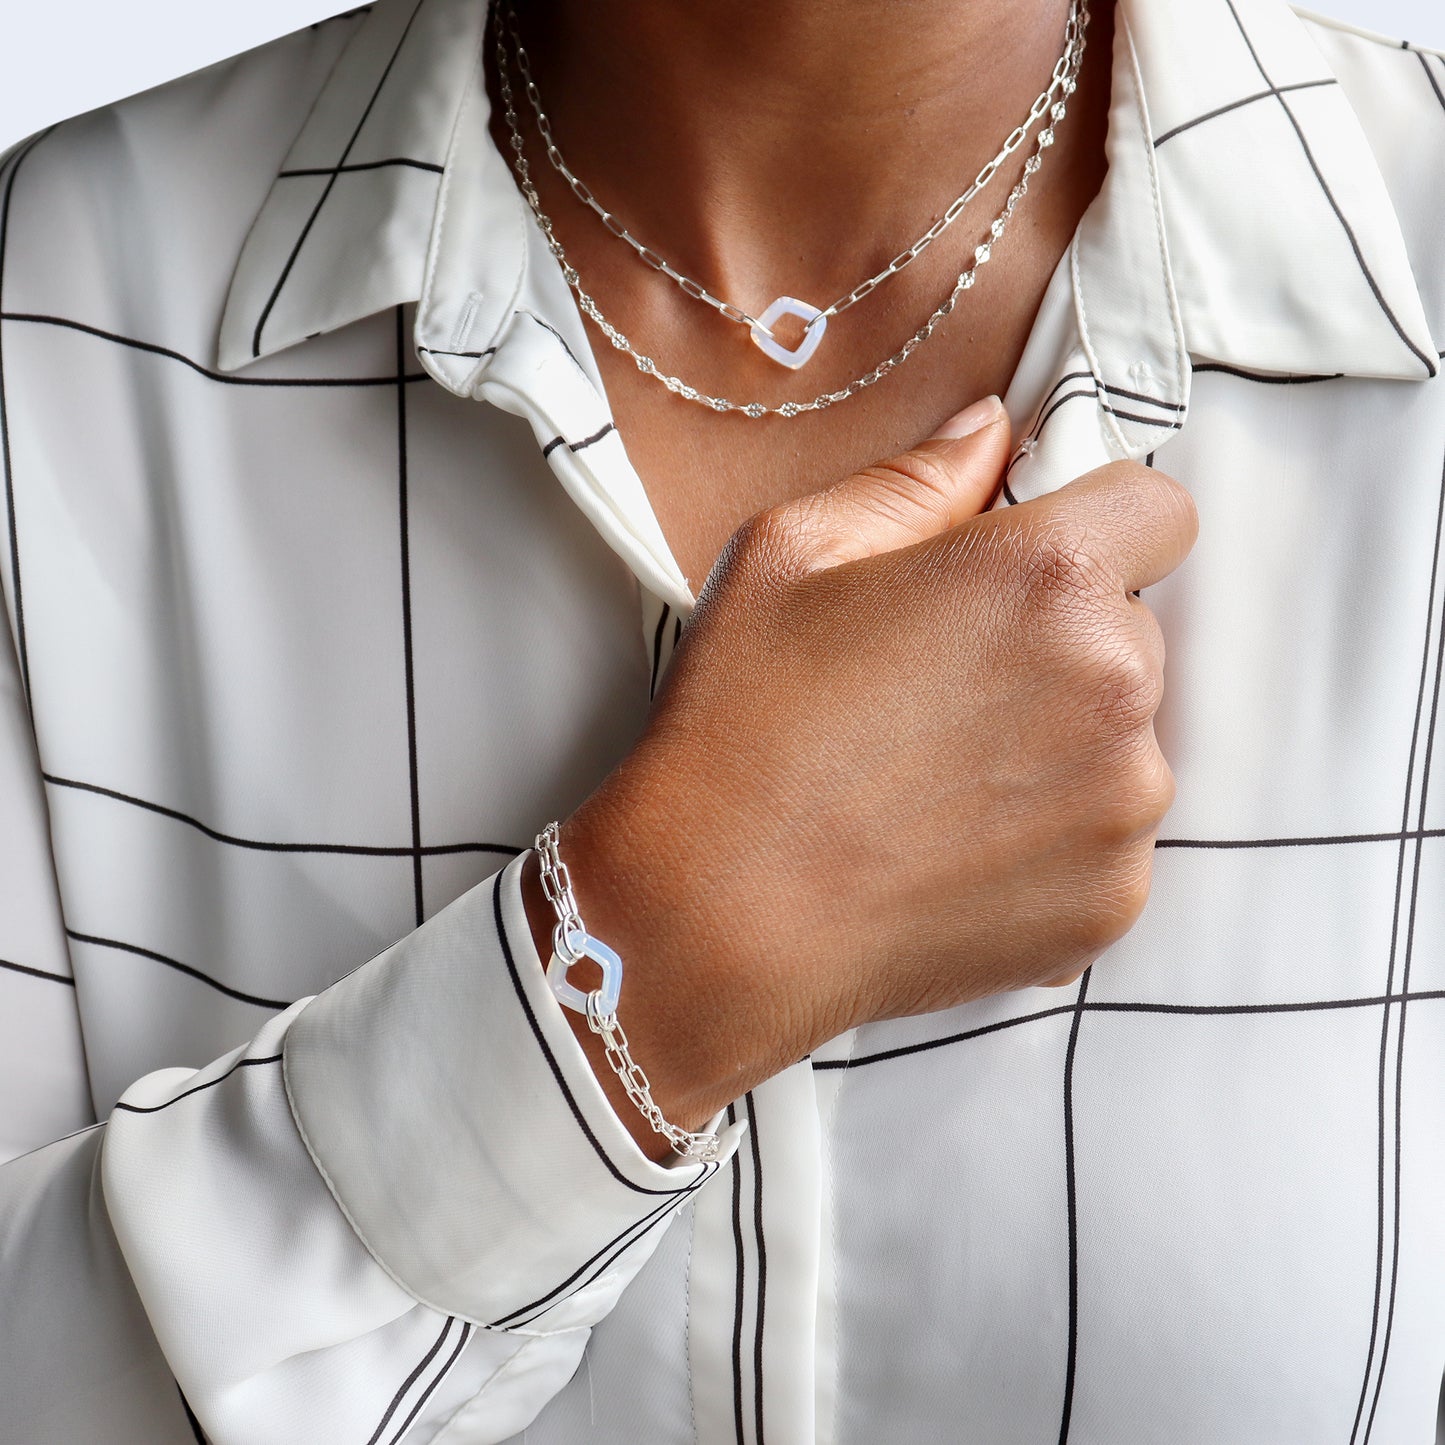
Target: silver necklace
(815, 319)
(1062, 84)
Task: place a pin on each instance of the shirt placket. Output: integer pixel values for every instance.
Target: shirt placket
(752, 1286)
(497, 303)
(752, 1289)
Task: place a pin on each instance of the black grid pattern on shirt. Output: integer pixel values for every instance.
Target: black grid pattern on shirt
(209, 373)
(1168, 135)
(1089, 388)
(601, 1260)
(1423, 735)
(1131, 1006)
(336, 172)
(423, 1366)
(1081, 386)
(417, 1372)
(1430, 363)
(348, 169)
(1073, 386)
(438, 1374)
(1399, 1061)
(1071, 1210)
(16, 160)
(415, 849)
(1431, 76)
(750, 1259)
(1281, 93)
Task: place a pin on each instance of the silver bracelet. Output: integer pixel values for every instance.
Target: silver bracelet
(570, 943)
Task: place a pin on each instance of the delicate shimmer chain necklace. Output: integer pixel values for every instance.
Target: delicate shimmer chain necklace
(1063, 83)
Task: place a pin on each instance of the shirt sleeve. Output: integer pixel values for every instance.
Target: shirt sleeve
(405, 1197)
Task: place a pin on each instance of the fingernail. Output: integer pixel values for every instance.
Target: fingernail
(971, 419)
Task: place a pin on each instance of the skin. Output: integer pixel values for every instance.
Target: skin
(904, 755)
(807, 136)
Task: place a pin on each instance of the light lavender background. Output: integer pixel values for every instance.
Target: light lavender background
(67, 56)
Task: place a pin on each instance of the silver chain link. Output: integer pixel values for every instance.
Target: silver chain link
(557, 885)
(1059, 83)
(1071, 62)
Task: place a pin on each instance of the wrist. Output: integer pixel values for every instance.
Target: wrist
(695, 1016)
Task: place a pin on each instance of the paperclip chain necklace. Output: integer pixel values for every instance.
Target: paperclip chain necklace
(1063, 84)
(816, 321)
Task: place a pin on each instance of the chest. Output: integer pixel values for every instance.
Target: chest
(705, 473)
(328, 706)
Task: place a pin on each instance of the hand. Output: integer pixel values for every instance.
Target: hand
(903, 758)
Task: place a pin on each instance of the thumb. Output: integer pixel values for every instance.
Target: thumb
(943, 481)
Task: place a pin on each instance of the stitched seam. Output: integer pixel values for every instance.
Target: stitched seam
(1329, 22)
(428, 279)
(614, 1249)
(833, 1241)
(1111, 426)
(464, 321)
(687, 1314)
(1180, 355)
(469, 379)
(320, 206)
(461, 1410)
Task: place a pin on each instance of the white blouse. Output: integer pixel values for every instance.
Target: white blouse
(329, 583)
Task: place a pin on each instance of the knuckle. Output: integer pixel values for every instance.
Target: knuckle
(1169, 502)
(1177, 500)
(1131, 687)
(767, 543)
(1151, 634)
(1156, 797)
(756, 566)
(1130, 893)
(1121, 899)
(1142, 798)
(1149, 487)
(1056, 564)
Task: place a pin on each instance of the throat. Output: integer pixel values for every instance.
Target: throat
(775, 148)
(693, 198)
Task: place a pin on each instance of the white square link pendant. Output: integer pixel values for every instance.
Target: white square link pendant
(773, 349)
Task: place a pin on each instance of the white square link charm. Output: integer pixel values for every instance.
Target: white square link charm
(774, 349)
(583, 945)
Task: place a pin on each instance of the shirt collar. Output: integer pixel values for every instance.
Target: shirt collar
(1243, 220)
(349, 223)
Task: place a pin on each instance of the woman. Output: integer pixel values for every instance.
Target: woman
(310, 646)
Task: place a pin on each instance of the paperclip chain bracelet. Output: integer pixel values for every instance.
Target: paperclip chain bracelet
(570, 944)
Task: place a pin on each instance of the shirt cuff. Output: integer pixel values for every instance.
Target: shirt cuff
(460, 1127)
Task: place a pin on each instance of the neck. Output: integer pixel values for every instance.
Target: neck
(763, 143)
